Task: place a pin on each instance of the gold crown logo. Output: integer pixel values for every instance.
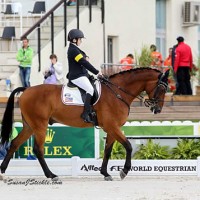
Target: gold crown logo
(49, 136)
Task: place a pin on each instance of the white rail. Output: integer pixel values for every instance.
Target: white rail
(91, 167)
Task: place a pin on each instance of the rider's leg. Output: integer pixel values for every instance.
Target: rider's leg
(84, 83)
(87, 109)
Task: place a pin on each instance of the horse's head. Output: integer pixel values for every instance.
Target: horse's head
(157, 94)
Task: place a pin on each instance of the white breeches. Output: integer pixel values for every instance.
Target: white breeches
(84, 83)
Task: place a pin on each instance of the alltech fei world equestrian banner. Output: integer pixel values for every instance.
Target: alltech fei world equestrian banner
(62, 142)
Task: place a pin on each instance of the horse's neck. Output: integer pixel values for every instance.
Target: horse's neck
(133, 86)
(137, 83)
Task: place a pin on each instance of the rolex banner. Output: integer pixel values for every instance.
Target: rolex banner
(62, 142)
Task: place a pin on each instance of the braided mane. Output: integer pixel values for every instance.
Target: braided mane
(134, 70)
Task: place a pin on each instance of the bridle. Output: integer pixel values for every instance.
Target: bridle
(152, 103)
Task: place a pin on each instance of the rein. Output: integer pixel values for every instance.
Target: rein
(108, 84)
(147, 102)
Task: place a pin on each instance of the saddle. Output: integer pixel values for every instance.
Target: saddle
(83, 93)
(94, 99)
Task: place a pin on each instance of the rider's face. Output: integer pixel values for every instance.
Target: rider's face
(79, 41)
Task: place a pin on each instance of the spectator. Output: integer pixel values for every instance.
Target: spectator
(129, 59)
(173, 54)
(25, 56)
(157, 57)
(168, 66)
(182, 67)
(173, 60)
(4, 148)
(168, 60)
(54, 73)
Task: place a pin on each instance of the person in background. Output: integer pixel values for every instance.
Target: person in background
(156, 56)
(78, 70)
(129, 59)
(173, 60)
(24, 57)
(4, 148)
(168, 60)
(168, 66)
(173, 54)
(54, 73)
(182, 66)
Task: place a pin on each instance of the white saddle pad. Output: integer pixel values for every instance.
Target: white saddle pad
(72, 96)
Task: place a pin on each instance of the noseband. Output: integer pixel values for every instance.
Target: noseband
(147, 102)
(154, 101)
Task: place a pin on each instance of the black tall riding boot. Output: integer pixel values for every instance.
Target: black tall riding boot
(86, 115)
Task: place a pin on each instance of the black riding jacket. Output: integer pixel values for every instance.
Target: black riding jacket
(78, 65)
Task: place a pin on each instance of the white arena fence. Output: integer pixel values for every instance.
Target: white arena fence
(76, 166)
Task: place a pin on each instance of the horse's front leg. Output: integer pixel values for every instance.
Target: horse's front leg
(120, 137)
(107, 152)
(127, 166)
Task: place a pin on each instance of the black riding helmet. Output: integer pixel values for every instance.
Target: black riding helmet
(75, 34)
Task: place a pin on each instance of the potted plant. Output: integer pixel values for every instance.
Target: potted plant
(186, 149)
(144, 59)
(152, 151)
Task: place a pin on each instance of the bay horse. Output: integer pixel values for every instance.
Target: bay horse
(42, 103)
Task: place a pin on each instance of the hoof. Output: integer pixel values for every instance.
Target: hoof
(122, 174)
(56, 178)
(108, 178)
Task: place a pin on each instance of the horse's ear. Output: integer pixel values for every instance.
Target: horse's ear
(166, 74)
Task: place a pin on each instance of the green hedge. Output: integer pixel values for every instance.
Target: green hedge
(185, 149)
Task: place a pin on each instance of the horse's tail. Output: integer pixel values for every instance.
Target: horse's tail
(7, 121)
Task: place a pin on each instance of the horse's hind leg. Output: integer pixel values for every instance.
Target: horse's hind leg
(15, 144)
(107, 152)
(39, 152)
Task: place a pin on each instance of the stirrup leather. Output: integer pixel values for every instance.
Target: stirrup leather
(87, 117)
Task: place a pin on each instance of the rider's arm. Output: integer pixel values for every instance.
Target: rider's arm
(81, 60)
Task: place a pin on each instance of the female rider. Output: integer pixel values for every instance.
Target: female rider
(78, 70)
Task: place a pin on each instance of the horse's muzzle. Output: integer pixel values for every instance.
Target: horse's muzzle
(156, 109)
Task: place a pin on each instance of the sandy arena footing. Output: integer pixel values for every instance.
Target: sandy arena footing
(95, 188)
